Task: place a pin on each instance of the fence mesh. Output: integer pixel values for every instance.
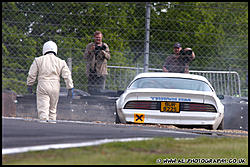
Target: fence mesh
(217, 32)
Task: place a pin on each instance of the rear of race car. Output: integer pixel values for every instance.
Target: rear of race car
(168, 106)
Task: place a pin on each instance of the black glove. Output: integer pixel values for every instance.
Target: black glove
(71, 93)
(29, 89)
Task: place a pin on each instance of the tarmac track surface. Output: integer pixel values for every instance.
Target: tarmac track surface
(20, 133)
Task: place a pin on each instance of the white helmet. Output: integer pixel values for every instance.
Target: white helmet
(49, 46)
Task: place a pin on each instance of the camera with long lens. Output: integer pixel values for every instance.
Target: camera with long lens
(185, 55)
(187, 52)
(99, 48)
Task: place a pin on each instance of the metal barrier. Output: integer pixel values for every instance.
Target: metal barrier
(102, 108)
(224, 82)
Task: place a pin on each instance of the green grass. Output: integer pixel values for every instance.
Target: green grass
(140, 152)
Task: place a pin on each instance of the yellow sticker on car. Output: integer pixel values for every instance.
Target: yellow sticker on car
(139, 118)
(170, 107)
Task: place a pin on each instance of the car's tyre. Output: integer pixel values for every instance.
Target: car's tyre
(117, 119)
(221, 126)
(209, 127)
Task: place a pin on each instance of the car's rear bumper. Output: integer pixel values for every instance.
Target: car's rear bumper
(182, 118)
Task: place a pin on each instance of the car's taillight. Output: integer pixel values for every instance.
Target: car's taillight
(156, 105)
(147, 105)
(197, 107)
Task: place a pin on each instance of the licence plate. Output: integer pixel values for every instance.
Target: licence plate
(170, 107)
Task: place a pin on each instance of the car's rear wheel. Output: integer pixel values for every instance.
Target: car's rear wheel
(221, 126)
(209, 127)
(117, 119)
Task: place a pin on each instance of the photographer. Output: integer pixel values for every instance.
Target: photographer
(96, 55)
(179, 61)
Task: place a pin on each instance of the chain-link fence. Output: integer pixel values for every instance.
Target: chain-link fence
(139, 36)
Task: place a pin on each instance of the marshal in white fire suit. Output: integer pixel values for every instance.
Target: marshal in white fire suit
(48, 68)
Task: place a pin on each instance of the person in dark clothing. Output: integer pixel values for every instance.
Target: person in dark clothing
(179, 61)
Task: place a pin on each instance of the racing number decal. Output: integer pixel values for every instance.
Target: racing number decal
(139, 118)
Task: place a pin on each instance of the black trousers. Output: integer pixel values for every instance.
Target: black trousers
(96, 83)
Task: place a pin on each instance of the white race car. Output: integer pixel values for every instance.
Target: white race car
(170, 98)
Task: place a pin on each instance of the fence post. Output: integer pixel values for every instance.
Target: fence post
(69, 62)
(146, 47)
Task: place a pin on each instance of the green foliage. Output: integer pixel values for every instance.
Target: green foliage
(217, 32)
(143, 153)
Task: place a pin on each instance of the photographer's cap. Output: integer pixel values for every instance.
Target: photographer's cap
(177, 45)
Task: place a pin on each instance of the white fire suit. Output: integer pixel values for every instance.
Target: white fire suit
(48, 68)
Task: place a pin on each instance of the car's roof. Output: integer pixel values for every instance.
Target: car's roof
(174, 75)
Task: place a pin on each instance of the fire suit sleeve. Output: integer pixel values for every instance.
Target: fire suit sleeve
(66, 74)
(33, 71)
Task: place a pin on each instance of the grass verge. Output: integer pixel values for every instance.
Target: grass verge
(202, 150)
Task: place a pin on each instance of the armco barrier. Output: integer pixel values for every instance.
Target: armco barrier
(102, 108)
(8, 103)
(89, 108)
(236, 112)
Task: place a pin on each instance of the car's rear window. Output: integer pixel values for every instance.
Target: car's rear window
(171, 83)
